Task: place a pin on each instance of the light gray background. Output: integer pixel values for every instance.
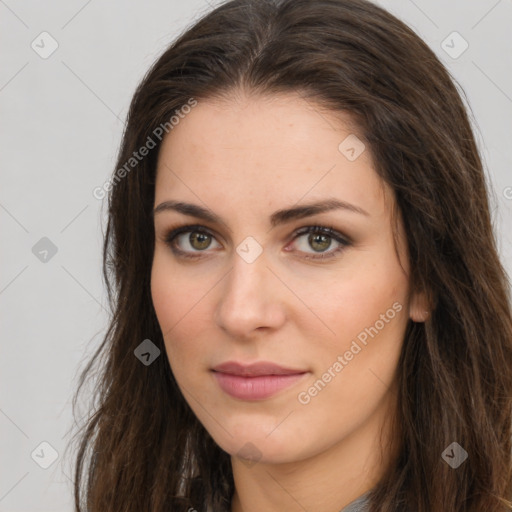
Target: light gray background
(61, 124)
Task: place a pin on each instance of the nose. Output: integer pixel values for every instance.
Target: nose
(251, 299)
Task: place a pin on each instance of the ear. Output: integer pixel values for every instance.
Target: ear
(419, 307)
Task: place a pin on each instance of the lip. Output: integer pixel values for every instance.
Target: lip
(256, 381)
(255, 369)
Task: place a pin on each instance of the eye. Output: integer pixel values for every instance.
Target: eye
(189, 241)
(320, 239)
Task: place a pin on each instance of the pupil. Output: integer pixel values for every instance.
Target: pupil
(199, 240)
(321, 241)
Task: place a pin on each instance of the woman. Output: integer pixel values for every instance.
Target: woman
(309, 308)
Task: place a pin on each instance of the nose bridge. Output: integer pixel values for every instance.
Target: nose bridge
(247, 301)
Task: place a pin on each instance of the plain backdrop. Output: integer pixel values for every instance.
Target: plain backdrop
(62, 117)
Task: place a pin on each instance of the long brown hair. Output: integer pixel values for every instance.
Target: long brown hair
(146, 449)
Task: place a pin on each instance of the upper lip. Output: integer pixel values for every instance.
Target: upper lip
(255, 369)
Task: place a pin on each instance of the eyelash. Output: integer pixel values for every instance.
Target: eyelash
(329, 231)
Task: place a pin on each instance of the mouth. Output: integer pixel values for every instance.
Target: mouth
(255, 369)
(256, 381)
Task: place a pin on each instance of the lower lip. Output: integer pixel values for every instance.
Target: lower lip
(255, 388)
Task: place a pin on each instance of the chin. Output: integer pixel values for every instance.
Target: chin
(256, 446)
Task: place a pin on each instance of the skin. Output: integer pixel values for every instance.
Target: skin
(243, 159)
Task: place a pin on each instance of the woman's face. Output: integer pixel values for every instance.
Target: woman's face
(248, 285)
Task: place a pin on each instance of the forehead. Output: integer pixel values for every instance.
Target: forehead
(267, 150)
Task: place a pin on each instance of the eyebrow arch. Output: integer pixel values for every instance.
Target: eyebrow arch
(278, 217)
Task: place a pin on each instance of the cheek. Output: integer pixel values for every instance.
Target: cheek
(179, 301)
(347, 304)
(367, 315)
(167, 307)
(354, 369)
(173, 293)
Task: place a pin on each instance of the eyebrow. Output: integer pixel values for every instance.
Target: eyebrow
(278, 217)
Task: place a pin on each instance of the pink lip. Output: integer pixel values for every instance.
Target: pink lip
(255, 369)
(255, 381)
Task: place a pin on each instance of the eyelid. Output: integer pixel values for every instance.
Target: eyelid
(323, 229)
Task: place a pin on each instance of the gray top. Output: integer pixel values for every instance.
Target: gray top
(359, 505)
